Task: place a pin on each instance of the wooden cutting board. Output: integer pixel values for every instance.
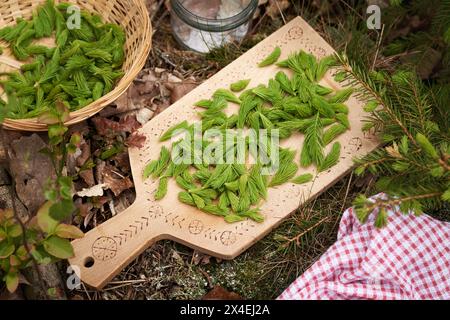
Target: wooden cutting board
(107, 249)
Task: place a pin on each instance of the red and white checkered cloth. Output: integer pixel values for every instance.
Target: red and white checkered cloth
(408, 259)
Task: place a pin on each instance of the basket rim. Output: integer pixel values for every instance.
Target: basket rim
(32, 124)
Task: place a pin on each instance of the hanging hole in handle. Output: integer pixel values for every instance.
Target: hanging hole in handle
(89, 262)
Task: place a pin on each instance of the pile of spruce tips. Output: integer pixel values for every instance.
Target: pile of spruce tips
(289, 104)
(82, 67)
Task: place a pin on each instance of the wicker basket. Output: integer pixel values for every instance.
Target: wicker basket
(132, 15)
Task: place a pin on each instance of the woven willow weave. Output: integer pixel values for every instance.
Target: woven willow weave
(132, 15)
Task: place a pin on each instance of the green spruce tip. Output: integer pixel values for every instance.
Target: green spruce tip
(426, 146)
(304, 178)
(53, 75)
(333, 132)
(227, 95)
(332, 158)
(271, 58)
(239, 85)
(287, 168)
(297, 104)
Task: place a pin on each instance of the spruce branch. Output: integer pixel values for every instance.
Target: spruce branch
(369, 89)
(389, 203)
(413, 167)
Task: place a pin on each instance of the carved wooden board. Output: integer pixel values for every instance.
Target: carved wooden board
(106, 250)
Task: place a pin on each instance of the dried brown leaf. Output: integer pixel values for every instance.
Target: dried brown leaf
(129, 124)
(106, 127)
(179, 90)
(199, 258)
(115, 182)
(30, 170)
(219, 293)
(122, 161)
(136, 140)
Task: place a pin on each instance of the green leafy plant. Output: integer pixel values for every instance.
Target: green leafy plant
(59, 192)
(45, 238)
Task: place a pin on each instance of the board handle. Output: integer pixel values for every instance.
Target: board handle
(107, 249)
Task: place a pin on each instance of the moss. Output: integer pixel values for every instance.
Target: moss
(190, 285)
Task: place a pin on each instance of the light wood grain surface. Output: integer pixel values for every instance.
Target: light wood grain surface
(115, 243)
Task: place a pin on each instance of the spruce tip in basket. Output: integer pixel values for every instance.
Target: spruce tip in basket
(86, 66)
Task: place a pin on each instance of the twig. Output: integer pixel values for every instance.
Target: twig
(347, 191)
(158, 22)
(443, 163)
(126, 284)
(387, 60)
(128, 281)
(208, 278)
(158, 7)
(297, 237)
(117, 173)
(352, 9)
(380, 38)
(165, 58)
(281, 12)
(86, 291)
(258, 23)
(391, 203)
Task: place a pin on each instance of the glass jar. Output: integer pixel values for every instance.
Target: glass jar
(201, 25)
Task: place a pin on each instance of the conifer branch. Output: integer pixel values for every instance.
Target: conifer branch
(364, 85)
(396, 202)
